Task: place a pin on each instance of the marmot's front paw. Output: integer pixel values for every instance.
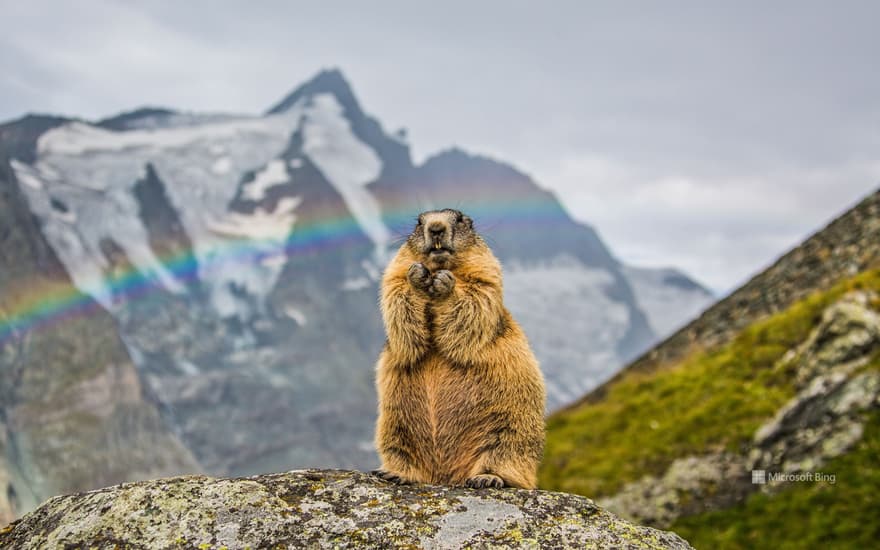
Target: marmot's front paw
(442, 284)
(419, 276)
(391, 477)
(482, 481)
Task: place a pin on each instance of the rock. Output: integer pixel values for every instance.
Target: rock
(684, 489)
(319, 509)
(845, 339)
(820, 423)
(825, 418)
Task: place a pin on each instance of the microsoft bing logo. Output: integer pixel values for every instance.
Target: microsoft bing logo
(761, 477)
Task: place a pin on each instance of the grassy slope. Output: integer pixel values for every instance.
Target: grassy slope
(712, 400)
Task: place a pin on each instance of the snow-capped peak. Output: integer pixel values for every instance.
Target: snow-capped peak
(328, 81)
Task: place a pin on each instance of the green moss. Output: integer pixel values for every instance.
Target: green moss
(804, 515)
(712, 400)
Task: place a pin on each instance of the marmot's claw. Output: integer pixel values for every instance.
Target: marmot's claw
(442, 283)
(419, 276)
(483, 481)
(388, 476)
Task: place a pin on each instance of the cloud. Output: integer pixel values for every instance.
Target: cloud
(721, 228)
(708, 137)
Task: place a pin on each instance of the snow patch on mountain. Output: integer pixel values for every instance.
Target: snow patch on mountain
(26, 176)
(188, 367)
(667, 297)
(572, 323)
(67, 217)
(296, 315)
(76, 138)
(222, 166)
(79, 247)
(275, 173)
(93, 170)
(260, 225)
(348, 163)
(262, 236)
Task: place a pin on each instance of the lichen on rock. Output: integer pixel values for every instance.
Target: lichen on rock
(322, 508)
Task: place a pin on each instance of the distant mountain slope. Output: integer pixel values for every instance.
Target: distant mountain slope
(783, 376)
(73, 410)
(240, 255)
(668, 297)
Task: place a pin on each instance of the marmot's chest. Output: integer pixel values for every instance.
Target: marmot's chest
(450, 395)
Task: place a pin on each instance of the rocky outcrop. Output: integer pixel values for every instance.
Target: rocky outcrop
(822, 421)
(825, 418)
(322, 509)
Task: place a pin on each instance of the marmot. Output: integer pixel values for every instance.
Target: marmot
(461, 396)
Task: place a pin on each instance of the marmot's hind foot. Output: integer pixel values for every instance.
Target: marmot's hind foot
(391, 477)
(483, 481)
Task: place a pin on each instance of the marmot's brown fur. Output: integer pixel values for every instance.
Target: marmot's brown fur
(461, 397)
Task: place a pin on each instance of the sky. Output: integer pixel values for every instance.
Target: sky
(708, 136)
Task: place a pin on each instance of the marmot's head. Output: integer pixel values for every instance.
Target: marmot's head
(441, 236)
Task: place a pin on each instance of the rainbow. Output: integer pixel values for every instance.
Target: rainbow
(45, 301)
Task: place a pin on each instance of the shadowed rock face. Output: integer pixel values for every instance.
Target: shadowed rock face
(322, 508)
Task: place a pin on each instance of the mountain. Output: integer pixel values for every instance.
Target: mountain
(235, 262)
(74, 411)
(758, 424)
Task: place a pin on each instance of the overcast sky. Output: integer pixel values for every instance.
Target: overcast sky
(708, 138)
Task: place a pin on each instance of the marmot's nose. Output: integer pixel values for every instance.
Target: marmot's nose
(436, 229)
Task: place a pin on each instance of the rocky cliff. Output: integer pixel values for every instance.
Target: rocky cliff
(322, 509)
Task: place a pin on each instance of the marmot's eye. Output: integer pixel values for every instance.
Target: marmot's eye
(459, 217)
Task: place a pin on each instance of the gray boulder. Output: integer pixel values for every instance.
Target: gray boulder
(322, 509)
